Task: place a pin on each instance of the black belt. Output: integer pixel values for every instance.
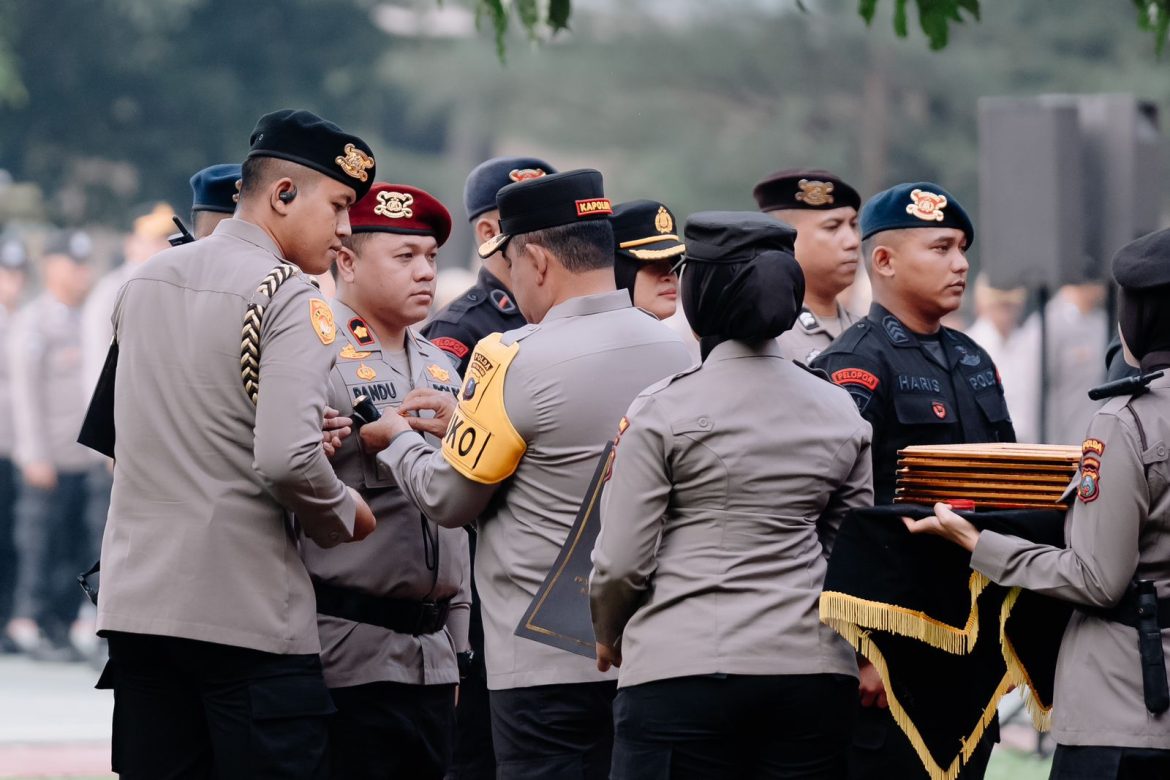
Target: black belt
(405, 617)
(1140, 608)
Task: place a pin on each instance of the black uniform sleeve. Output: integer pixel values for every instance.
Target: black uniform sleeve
(866, 380)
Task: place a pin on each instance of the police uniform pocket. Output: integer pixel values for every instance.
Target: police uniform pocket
(640, 761)
(993, 405)
(289, 732)
(922, 410)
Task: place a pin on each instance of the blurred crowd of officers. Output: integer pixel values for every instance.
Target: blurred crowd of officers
(247, 639)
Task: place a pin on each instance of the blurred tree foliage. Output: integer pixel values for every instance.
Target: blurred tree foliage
(690, 101)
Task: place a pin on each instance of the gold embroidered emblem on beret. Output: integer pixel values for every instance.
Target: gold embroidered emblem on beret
(815, 193)
(394, 205)
(355, 162)
(927, 206)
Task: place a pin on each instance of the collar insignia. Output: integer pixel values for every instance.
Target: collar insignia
(663, 223)
(361, 331)
(815, 193)
(349, 353)
(394, 205)
(927, 206)
(524, 174)
(355, 162)
(808, 320)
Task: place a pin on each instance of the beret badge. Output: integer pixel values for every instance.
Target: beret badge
(663, 222)
(815, 193)
(355, 162)
(524, 174)
(394, 205)
(927, 206)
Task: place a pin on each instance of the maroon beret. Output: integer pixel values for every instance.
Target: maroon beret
(400, 208)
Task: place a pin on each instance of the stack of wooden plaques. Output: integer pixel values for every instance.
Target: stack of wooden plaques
(994, 476)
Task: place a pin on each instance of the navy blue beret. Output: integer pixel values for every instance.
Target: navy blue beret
(214, 188)
(306, 139)
(918, 205)
(1144, 263)
(491, 176)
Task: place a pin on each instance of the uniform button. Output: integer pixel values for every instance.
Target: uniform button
(1161, 451)
(705, 423)
(472, 296)
(334, 536)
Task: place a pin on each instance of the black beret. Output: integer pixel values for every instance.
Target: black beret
(1144, 263)
(548, 201)
(644, 230)
(918, 205)
(306, 139)
(735, 236)
(491, 176)
(13, 255)
(214, 188)
(74, 244)
(804, 188)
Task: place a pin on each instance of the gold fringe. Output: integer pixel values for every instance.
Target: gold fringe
(657, 254)
(839, 609)
(648, 240)
(862, 644)
(1041, 715)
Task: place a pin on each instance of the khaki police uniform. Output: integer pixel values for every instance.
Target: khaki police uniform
(1117, 530)
(548, 396)
(398, 563)
(44, 360)
(811, 335)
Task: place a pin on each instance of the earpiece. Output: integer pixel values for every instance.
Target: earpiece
(288, 195)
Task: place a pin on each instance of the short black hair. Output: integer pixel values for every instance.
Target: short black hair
(580, 246)
(258, 172)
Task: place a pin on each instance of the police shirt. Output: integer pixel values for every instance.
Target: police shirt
(812, 335)
(485, 308)
(407, 557)
(910, 395)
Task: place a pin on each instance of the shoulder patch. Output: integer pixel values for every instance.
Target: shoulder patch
(1093, 446)
(855, 376)
(894, 329)
(503, 301)
(453, 346)
(322, 318)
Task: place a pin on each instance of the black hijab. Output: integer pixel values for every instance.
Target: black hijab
(741, 281)
(1142, 271)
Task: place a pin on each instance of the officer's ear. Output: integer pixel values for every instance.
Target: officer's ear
(486, 229)
(540, 259)
(281, 195)
(346, 258)
(881, 261)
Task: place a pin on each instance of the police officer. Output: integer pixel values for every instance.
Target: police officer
(207, 607)
(532, 421)
(916, 382)
(823, 209)
(44, 350)
(645, 254)
(392, 612)
(487, 307)
(1109, 712)
(706, 577)
(214, 192)
(13, 275)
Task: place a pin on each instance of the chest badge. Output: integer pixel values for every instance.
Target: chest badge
(366, 373)
(927, 206)
(438, 373)
(349, 353)
(940, 411)
(322, 317)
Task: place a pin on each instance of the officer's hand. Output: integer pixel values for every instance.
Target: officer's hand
(608, 656)
(363, 519)
(873, 693)
(425, 398)
(946, 524)
(376, 436)
(40, 475)
(334, 430)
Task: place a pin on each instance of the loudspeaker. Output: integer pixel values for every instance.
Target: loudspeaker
(1030, 230)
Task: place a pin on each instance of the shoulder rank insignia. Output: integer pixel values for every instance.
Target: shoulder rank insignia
(502, 301)
(927, 206)
(808, 320)
(394, 205)
(361, 331)
(438, 374)
(366, 373)
(322, 318)
(663, 222)
(354, 162)
(349, 353)
(815, 193)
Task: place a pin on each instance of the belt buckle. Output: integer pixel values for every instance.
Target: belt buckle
(428, 613)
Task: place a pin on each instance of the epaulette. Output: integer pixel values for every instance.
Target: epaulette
(662, 384)
(519, 334)
(819, 373)
(461, 305)
(850, 337)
